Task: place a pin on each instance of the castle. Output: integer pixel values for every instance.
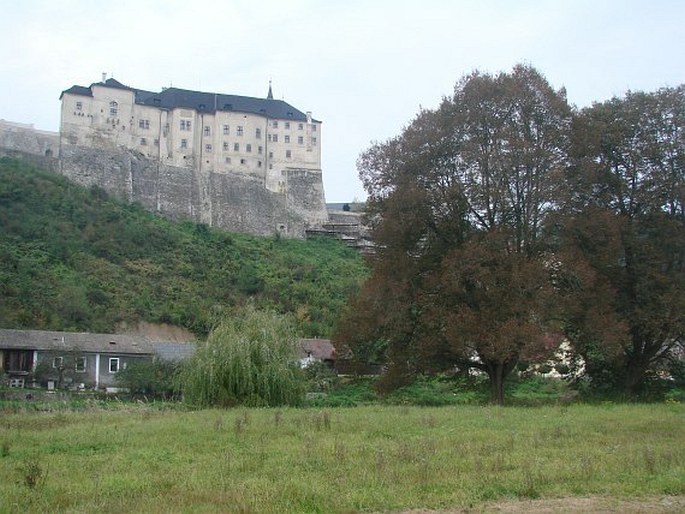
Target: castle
(255, 137)
(240, 163)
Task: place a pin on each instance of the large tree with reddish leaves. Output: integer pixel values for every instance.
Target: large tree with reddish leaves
(457, 204)
(625, 218)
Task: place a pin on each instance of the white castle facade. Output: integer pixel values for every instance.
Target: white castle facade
(259, 138)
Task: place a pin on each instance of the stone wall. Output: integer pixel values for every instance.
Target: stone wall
(233, 202)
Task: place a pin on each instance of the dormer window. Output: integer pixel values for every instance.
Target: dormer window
(113, 108)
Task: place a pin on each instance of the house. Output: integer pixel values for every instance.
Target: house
(77, 360)
(36, 358)
(317, 350)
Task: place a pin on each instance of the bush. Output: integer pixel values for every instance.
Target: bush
(247, 360)
(157, 379)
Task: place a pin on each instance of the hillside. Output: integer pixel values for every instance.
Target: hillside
(76, 259)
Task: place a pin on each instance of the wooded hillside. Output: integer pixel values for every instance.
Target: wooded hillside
(76, 259)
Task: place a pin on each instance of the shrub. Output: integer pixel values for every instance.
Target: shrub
(155, 379)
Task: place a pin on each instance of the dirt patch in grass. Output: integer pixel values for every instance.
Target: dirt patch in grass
(573, 505)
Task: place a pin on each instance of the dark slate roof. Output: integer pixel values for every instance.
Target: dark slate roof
(74, 341)
(77, 90)
(173, 351)
(173, 98)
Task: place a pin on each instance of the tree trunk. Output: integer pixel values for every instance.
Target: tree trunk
(496, 375)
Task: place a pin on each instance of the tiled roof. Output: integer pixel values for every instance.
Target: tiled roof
(173, 351)
(173, 98)
(74, 341)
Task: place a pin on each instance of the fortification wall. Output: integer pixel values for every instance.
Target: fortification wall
(234, 202)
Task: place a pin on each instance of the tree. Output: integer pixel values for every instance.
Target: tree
(626, 219)
(249, 359)
(457, 205)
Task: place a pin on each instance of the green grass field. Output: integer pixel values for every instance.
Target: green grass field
(376, 458)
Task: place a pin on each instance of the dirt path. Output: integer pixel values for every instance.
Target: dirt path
(573, 505)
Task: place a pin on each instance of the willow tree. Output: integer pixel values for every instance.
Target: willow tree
(471, 181)
(248, 359)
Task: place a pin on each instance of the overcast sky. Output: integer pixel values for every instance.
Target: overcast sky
(363, 67)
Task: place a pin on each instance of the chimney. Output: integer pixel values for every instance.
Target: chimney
(104, 77)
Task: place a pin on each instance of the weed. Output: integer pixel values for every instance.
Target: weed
(339, 451)
(33, 474)
(239, 426)
(649, 460)
(5, 449)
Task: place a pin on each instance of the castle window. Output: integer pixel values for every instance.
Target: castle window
(259, 164)
(208, 148)
(208, 131)
(226, 130)
(275, 138)
(156, 142)
(300, 126)
(228, 160)
(185, 125)
(184, 143)
(239, 130)
(287, 124)
(287, 139)
(259, 150)
(268, 138)
(113, 108)
(242, 161)
(258, 133)
(313, 128)
(314, 141)
(143, 141)
(274, 124)
(271, 155)
(300, 140)
(79, 106)
(144, 124)
(288, 154)
(225, 146)
(236, 147)
(248, 148)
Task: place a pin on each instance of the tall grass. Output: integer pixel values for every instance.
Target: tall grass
(366, 459)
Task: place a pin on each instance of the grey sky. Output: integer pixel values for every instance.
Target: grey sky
(362, 67)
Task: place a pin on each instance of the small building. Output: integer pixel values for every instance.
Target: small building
(317, 350)
(37, 358)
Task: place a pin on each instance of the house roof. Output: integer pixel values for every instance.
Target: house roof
(173, 351)
(70, 341)
(321, 349)
(174, 98)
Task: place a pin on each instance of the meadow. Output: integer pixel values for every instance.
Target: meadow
(376, 458)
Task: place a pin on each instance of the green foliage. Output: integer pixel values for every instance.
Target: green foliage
(156, 379)
(249, 359)
(75, 259)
